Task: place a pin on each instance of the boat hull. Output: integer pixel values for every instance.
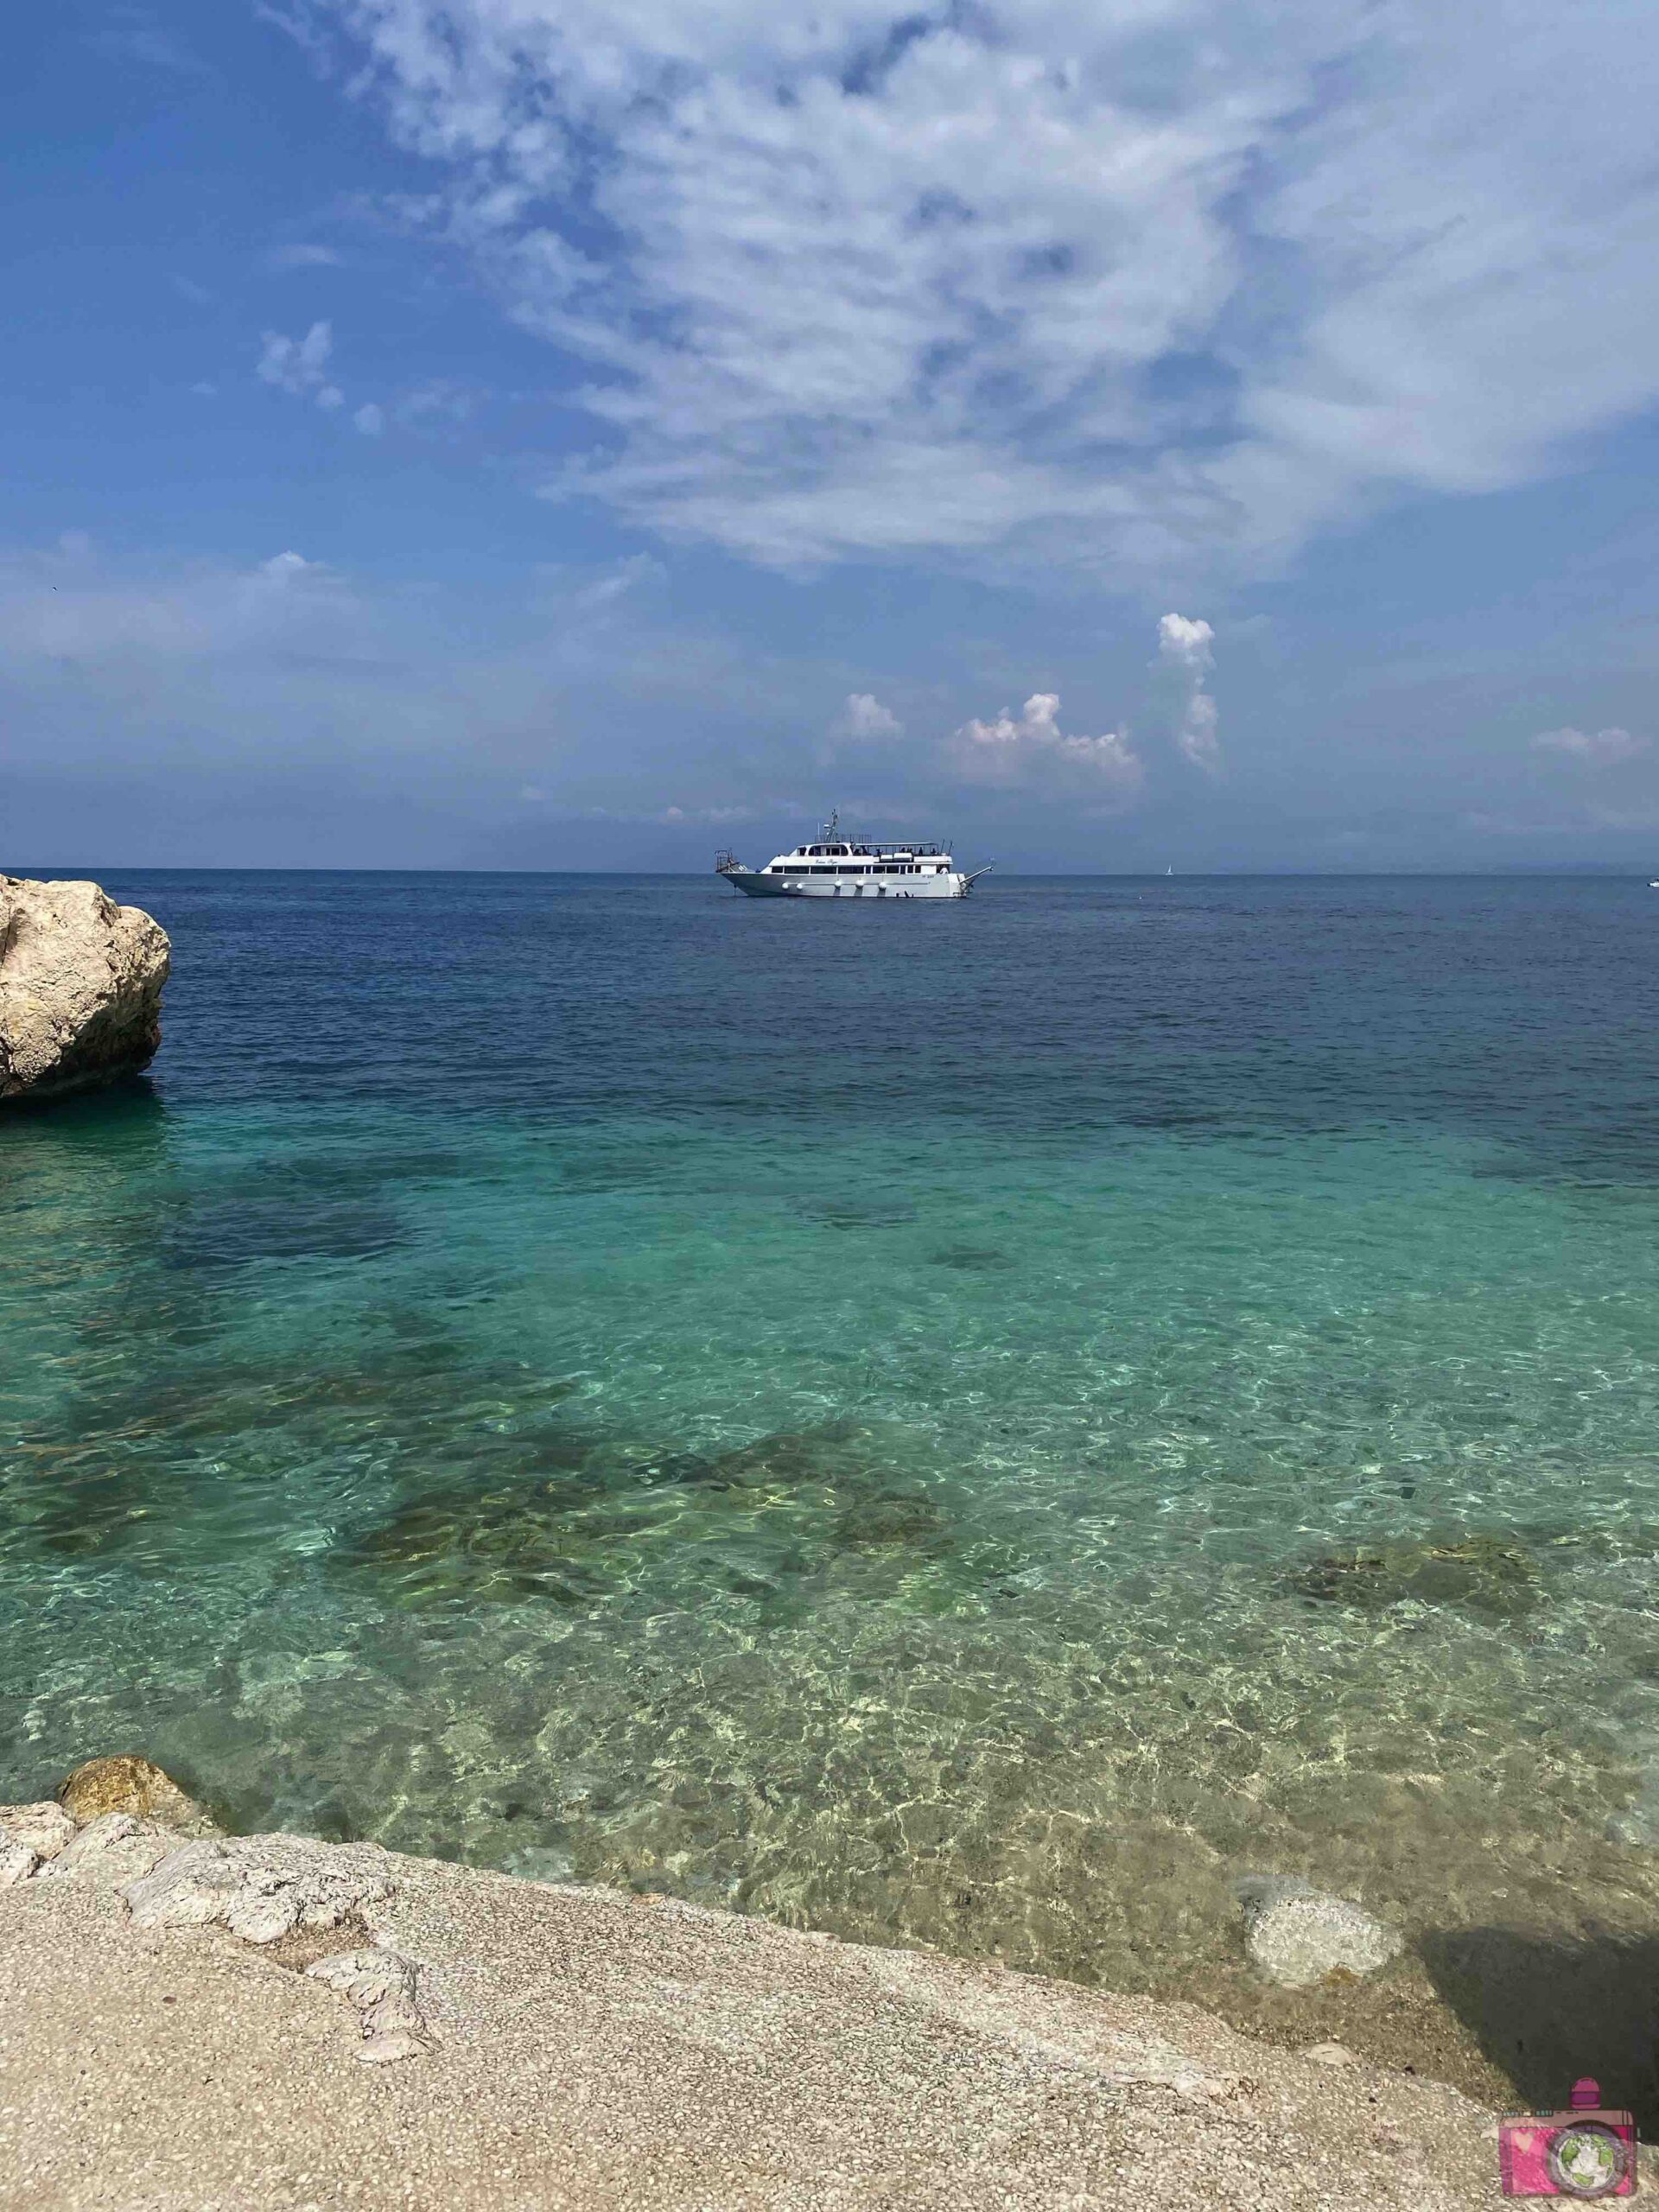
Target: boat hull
(950, 884)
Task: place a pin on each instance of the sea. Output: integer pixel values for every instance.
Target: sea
(972, 1424)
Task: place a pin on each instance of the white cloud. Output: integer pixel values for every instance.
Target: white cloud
(300, 365)
(1185, 649)
(633, 572)
(305, 257)
(64, 606)
(1145, 290)
(130, 33)
(864, 720)
(1032, 749)
(204, 390)
(442, 396)
(1603, 746)
(371, 420)
(673, 815)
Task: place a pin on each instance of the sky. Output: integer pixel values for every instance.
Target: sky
(547, 434)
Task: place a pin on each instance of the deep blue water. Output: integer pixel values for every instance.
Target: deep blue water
(923, 1419)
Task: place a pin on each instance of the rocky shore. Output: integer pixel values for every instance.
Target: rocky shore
(80, 988)
(190, 2020)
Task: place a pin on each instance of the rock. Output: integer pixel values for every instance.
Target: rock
(381, 1984)
(1331, 2054)
(523, 1541)
(261, 1902)
(1298, 1934)
(1493, 1575)
(80, 988)
(896, 1519)
(44, 1829)
(1638, 1825)
(186, 1888)
(381, 2050)
(18, 1863)
(365, 1977)
(108, 1851)
(128, 1783)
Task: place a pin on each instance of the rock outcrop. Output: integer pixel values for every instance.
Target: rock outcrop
(586, 2050)
(117, 1830)
(80, 988)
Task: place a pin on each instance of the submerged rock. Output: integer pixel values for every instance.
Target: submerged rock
(80, 988)
(1484, 1575)
(971, 1258)
(849, 1455)
(130, 1783)
(498, 1546)
(895, 1521)
(1298, 1934)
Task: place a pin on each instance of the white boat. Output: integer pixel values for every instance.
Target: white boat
(836, 866)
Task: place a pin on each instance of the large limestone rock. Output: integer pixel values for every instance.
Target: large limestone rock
(80, 988)
(256, 1896)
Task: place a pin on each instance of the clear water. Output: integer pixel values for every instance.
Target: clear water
(841, 1411)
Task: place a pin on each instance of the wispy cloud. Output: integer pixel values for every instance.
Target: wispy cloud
(302, 22)
(1603, 747)
(305, 257)
(64, 606)
(370, 419)
(922, 297)
(131, 32)
(441, 397)
(632, 574)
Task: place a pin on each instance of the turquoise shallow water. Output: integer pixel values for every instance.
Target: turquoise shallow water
(915, 1423)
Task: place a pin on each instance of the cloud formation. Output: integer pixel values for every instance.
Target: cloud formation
(864, 720)
(300, 365)
(127, 33)
(1145, 292)
(63, 606)
(1185, 649)
(1032, 749)
(305, 257)
(1602, 746)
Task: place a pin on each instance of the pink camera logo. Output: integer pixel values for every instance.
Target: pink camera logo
(1587, 2152)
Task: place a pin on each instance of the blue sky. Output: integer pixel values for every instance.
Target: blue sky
(1179, 432)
